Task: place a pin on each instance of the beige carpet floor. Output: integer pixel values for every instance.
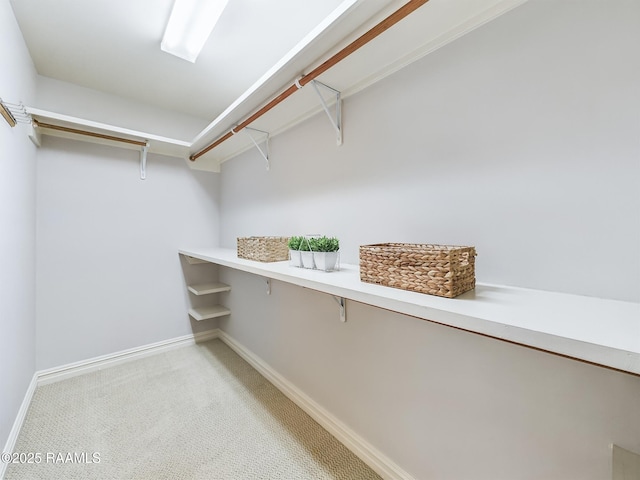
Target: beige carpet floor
(198, 412)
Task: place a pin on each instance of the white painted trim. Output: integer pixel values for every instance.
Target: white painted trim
(624, 464)
(56, 374)
(375, 459)
(502, 7)
(470, 24)
(381, 464)
(326, 24)
(17, 423)
(44, 377)
(566, 324)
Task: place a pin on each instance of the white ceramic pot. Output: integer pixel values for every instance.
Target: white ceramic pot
(294, 258)
(307, 259)
(326, 261)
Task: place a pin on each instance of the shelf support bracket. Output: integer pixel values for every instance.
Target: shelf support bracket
(143, 161)
(343, 307)
(34, 135)
(265, 152)
(336, 122)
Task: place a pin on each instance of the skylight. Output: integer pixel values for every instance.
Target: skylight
(190, 24)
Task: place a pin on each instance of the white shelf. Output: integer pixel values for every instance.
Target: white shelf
(601, 331)
(430, 27)
(157, 143)
(194, 261)
(205, 313)
(207, 288)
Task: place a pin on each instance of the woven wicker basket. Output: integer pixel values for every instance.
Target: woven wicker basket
(443, 270)
(263, 249)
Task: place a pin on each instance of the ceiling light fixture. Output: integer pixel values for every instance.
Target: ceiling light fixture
(190, 24)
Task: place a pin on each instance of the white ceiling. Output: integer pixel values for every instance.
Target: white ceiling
(114, 46)
(258, 48)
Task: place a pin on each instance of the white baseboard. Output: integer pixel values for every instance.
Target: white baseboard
(381, 464)
(44, 377)
(375, 459)
(98, 363)
(17, 424)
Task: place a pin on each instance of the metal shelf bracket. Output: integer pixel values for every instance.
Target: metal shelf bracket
(337, 121)
(265, 152)
(143, 161)
(343, 307)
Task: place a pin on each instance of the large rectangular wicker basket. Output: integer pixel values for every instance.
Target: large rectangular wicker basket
(263, 249)
(443, 270)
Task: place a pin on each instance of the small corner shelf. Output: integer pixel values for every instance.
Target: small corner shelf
(595, 330)
(205, 313)
(207, 288)
(194, 261)
(211, 287)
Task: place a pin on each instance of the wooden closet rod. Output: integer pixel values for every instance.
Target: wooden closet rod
(384, 25)
(89, 134)
(8, 116)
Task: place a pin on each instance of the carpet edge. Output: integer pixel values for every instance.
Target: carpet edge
(18, 422)
(55, 374)
(376, 460)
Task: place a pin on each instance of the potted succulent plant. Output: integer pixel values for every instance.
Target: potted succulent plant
(306, 254)
(325, 252)
(294, 251)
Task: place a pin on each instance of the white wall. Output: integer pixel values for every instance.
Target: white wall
(441, 403)
(109, 275)
(17, 227)
(521, 139)
(69, 99)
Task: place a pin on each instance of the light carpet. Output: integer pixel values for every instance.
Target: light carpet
(198, 412)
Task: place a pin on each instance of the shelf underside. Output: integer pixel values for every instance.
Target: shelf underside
(206, 313)
(599, 331)
(208, 288)
(68, 124)
(428, 28)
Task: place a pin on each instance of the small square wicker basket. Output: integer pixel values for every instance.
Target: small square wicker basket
(442, 270)
(263, 249)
